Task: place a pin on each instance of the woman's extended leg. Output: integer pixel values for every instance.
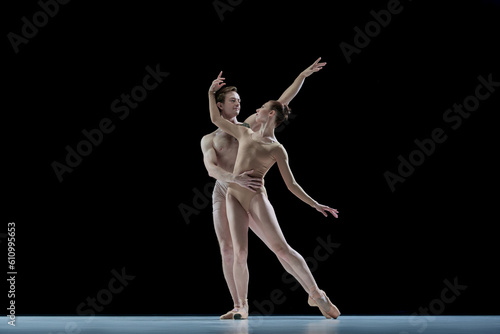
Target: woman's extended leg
(258, 231)
(263, 213)
(238, 225)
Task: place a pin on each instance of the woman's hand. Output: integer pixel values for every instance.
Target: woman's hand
(217, 84)
(324, 209)
(313, 68)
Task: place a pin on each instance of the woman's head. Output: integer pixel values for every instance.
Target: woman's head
(273, 110)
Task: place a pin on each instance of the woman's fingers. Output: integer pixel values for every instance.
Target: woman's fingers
(324, 209)
(334, 212)
(218, 84)
(321, 208)
(318, 64)
(219, 79)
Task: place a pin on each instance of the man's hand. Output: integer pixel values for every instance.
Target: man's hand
(324, 209)
(315, 67)
(217, 83)
(246, 181)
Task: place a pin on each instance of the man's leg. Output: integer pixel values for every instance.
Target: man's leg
(238, 223)
(221, 227)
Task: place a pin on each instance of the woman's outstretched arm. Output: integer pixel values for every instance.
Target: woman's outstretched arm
(215, 115)
(295, 87)
(291, 91)
(281, 157)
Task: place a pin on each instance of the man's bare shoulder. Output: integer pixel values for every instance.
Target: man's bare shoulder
(208, 139)
(210, 135)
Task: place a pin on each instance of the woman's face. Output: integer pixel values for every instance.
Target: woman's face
(263, 114)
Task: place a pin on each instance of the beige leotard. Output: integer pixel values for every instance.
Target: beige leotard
(256, 155)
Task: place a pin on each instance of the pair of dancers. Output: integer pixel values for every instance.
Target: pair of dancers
(239, 155)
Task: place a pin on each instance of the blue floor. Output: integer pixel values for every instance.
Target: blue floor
(270, 324)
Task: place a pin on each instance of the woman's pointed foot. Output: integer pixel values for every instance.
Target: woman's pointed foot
(312, 303)
(324, 304)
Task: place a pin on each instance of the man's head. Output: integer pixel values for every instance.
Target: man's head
(228, 101)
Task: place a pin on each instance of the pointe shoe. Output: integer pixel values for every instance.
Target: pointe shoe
(229, 315)
(325, 306)
(242, 312)
(312, 303)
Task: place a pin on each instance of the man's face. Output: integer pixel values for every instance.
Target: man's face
(231, 106)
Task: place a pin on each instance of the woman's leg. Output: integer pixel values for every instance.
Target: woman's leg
(258, 231)
(238, 225)
(263, 213)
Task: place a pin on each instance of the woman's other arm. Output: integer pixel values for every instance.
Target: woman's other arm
(292, 185)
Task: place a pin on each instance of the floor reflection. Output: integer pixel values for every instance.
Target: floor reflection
(255, 325)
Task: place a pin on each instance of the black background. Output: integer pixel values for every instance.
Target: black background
(120, 207)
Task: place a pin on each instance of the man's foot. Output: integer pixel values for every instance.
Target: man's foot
(324, 304)
(229, 315)
(240, 314)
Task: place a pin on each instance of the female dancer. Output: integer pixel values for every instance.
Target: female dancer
(258, 151)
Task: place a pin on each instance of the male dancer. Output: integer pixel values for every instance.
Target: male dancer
(219, 155)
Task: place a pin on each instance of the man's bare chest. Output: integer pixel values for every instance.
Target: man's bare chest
(225, 143)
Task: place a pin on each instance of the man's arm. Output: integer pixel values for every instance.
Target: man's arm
(210, 161)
